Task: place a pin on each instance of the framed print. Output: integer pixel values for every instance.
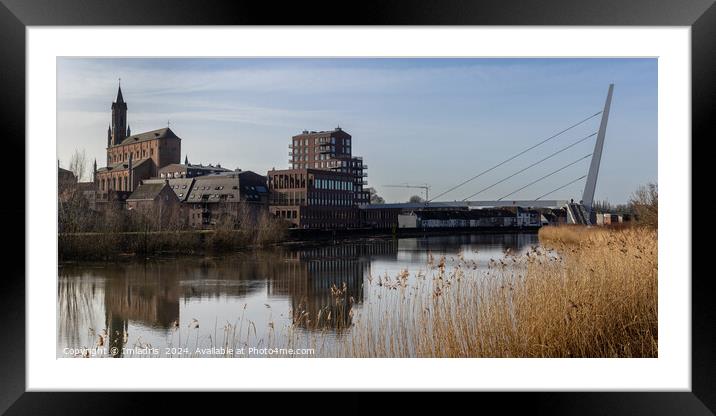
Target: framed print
(463, 198)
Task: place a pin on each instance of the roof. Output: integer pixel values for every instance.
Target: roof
(182, 166)
(213, 188)
(120, 99)
(163, 133)
(311, 133)
(147, 191)
(180, 186)
(245, 175)
(228, 187)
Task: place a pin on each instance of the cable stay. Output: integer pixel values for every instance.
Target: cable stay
(546, 176)
(517, 155)
(531, 166)
(561, 187)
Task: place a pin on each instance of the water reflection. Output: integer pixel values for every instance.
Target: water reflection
(311, 289)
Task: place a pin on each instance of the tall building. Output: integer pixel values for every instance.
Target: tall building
(331, 150)
(324, 183)
(132, 158)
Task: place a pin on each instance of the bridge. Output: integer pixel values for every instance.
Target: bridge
(577, 212)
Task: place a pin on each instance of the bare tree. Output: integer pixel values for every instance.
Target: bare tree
(415, 199)
(602, 206)
(645, 203)
(78, 164)
(374, 197)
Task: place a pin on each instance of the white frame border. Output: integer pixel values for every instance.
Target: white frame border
(671, 371)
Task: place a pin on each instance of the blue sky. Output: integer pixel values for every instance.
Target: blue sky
(434, 121)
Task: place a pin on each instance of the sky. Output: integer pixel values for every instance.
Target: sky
(432, 121)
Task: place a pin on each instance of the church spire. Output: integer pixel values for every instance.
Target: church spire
(129, 131)
(120, 99)
(186, 160)
(119, 119)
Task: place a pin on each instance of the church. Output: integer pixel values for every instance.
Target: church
(133, 158)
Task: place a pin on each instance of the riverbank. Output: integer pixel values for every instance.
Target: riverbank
(110, 246)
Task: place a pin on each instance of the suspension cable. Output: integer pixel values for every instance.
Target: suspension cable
(561, 187)
(531, 166)
(546, 176)
(517, 155)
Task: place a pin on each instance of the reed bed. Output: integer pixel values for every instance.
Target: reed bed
(590, 293)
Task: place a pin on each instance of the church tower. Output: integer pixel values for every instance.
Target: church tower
(119, 119)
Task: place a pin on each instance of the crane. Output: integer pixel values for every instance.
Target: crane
(424, 187)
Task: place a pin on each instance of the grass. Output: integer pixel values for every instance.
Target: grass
(112, 245)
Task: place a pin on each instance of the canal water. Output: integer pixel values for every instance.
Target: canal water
(244, 304)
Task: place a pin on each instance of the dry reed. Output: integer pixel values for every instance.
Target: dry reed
(592, 293)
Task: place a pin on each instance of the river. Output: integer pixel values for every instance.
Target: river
(237, 304)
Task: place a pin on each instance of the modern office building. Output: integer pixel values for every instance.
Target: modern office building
(324, 184)
(330, 150)
(313, 198)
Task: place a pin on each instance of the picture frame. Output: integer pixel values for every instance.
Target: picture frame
(15, 16)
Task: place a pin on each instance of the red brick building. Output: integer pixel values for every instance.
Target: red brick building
(331, 150)
(132, 158)
(158, 203)
(313, 198)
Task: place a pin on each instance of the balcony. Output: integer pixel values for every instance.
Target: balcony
(290, 153)
(364, 174)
